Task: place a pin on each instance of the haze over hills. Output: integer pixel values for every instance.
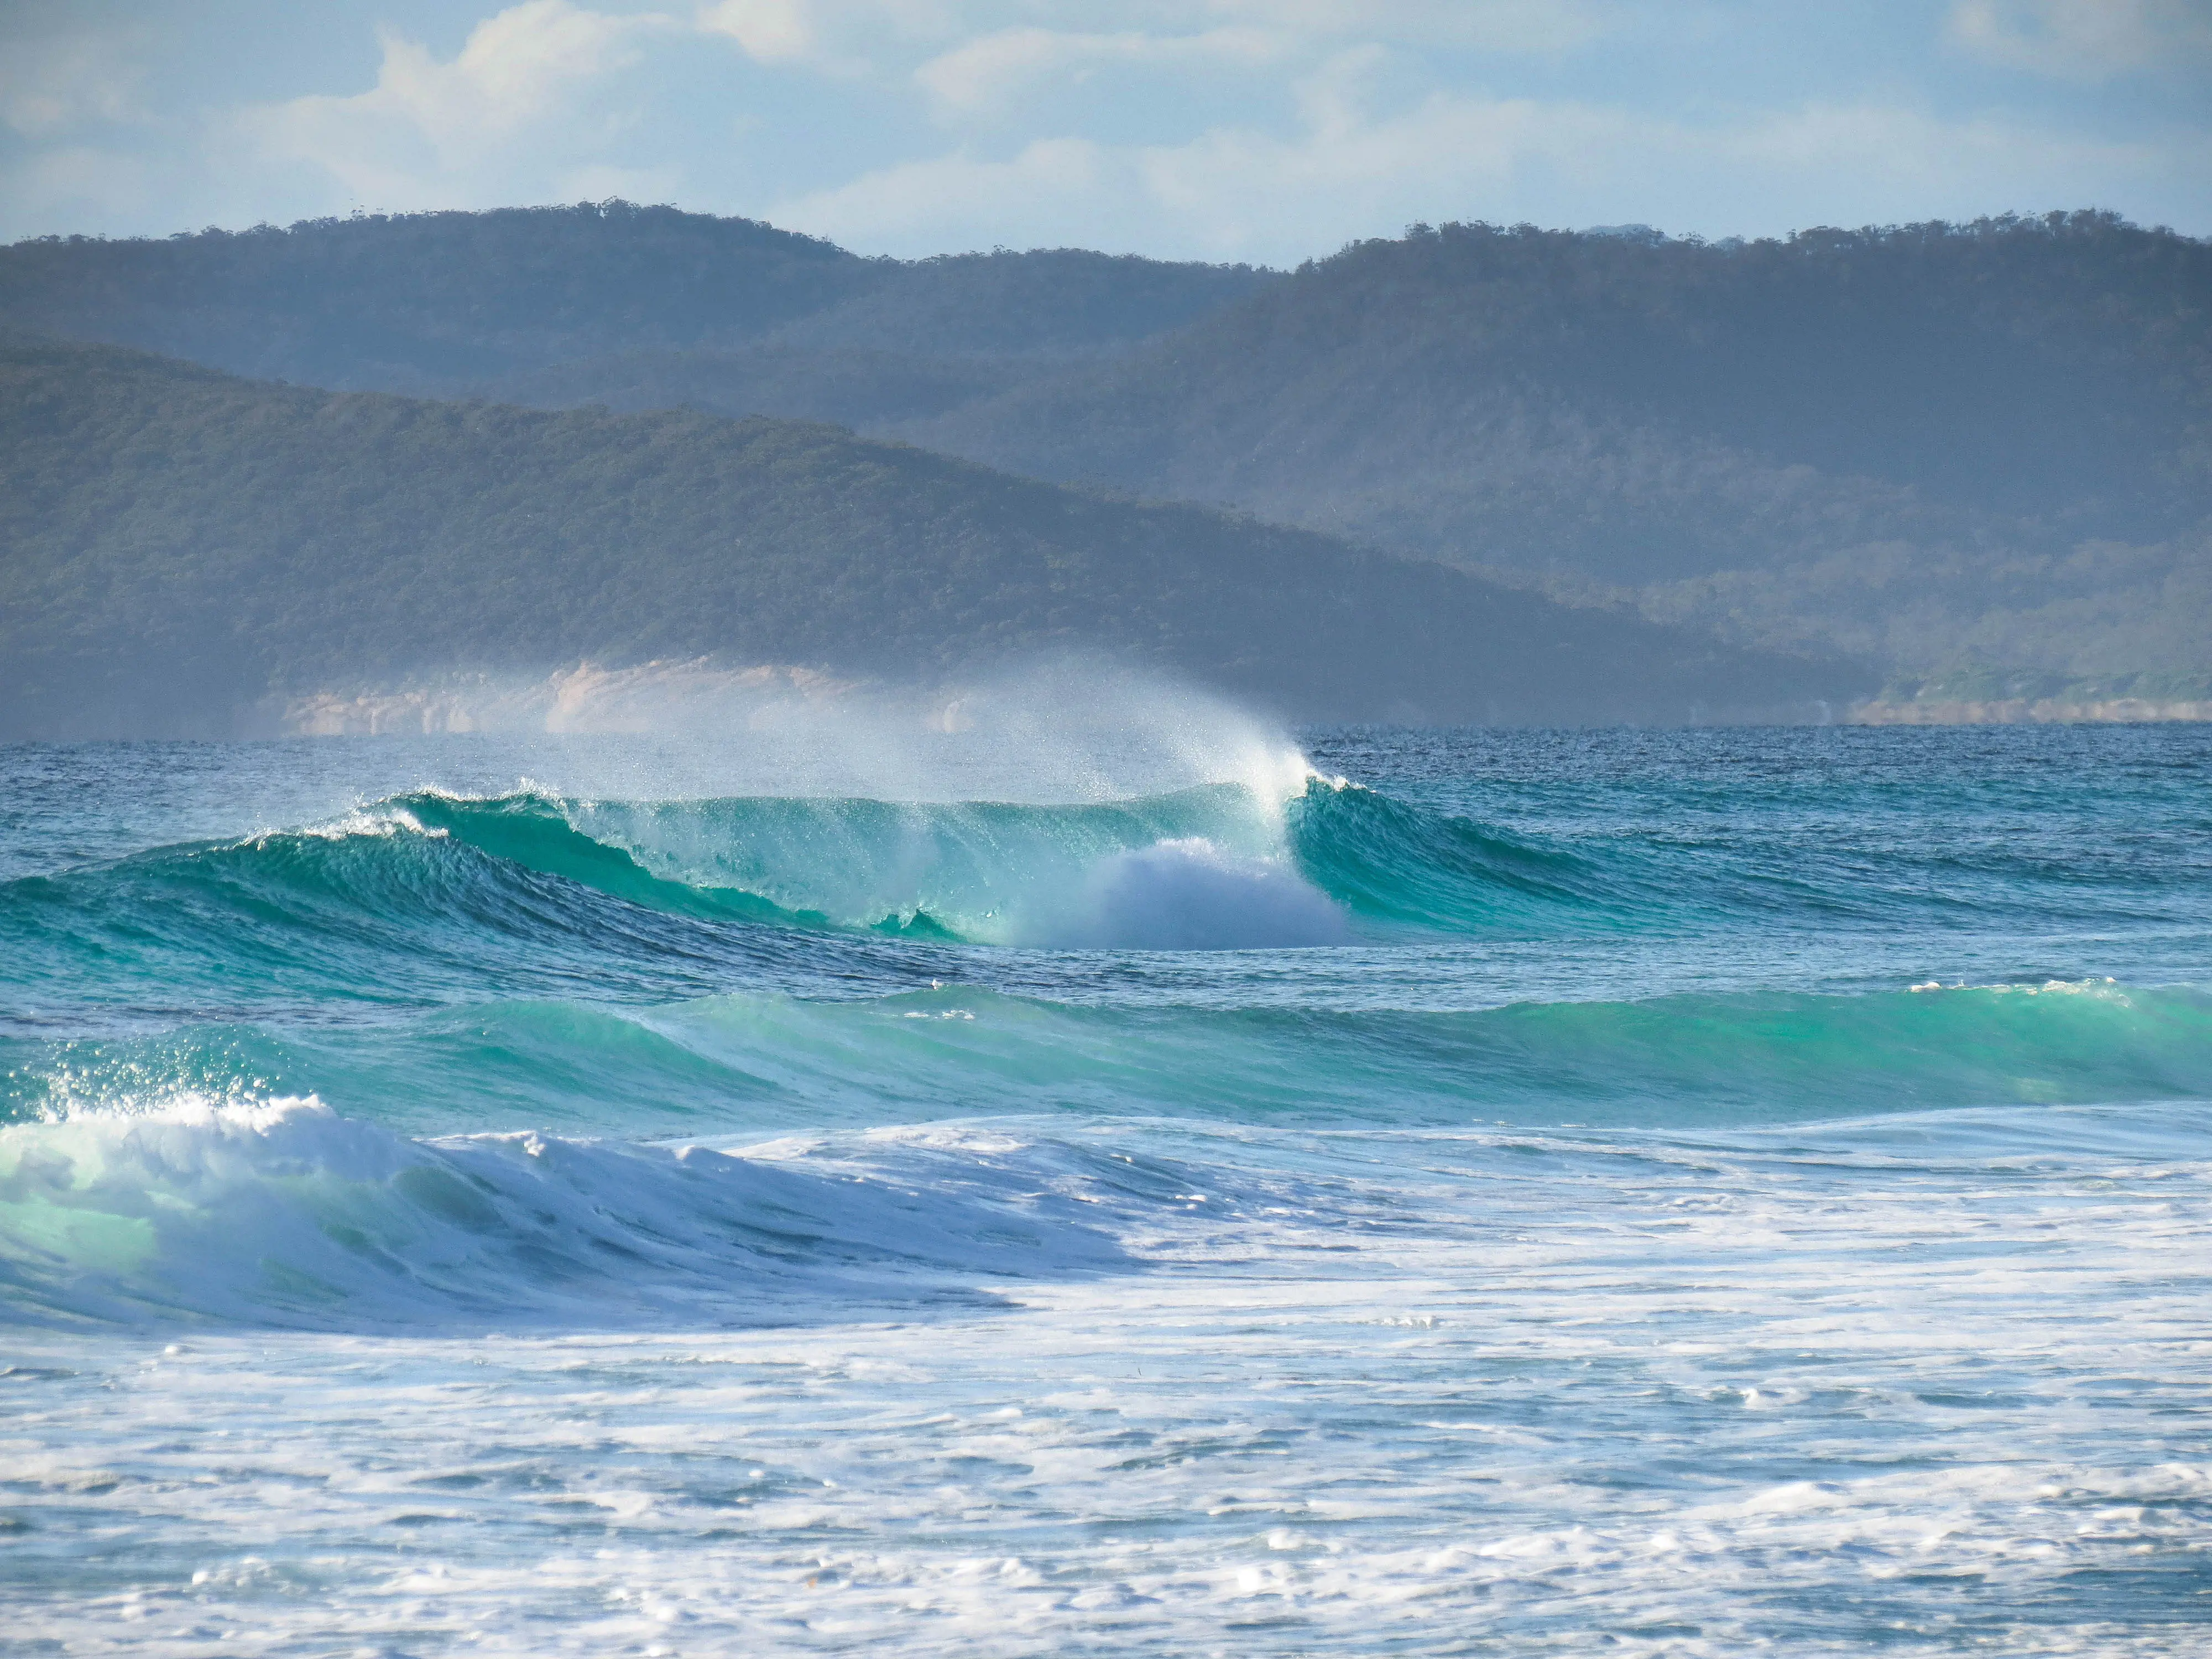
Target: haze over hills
(1979, 457)
(184, 547)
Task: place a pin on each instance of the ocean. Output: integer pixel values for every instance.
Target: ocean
(1025, 1182)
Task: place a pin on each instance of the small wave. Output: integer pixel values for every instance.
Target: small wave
(1390, 861)
(281, 1212)
(760, 1060)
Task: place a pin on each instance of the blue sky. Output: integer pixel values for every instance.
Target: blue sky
(1261, 130)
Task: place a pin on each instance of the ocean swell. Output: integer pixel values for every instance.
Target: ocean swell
(283, 1213)
(762, 1061)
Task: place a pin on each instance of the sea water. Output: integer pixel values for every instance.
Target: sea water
(1361, 1191)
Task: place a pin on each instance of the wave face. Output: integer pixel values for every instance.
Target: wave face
(432, 897)
(462, 986)
(285, 1212)
(757, 1061)
(1198, 869)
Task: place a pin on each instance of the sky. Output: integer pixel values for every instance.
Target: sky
(1262, 131)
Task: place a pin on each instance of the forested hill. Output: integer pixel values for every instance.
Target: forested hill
(181, 544)
(2060, 368)
(1979, 455)
(1959, 447)
(442, 301)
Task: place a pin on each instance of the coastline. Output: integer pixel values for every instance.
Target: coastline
(2027, 711)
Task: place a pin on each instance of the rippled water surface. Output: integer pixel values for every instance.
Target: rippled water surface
(1378, 1192)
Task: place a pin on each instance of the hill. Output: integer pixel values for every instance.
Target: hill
(1960, 448)
(441, 303)
(1979, 455)
(181, 544)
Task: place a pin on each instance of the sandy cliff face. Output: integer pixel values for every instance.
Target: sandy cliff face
(2023, 711)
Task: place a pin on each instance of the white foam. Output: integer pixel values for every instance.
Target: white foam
(1048, 732)
(1187, 894)
(1405, 1393)
(281, 1212)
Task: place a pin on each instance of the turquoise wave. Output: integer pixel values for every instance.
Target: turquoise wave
(770, 1060)
(977, 871)
(432, 898)
(415, 1173)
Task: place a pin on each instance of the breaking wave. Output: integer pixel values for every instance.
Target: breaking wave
(429, 898)
(283, 1213)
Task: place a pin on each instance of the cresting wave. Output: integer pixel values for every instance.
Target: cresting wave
(184, 1209)
(1199, 867)
(1217, 866)
(430, 893)
(1703, 1193)
(449, 880)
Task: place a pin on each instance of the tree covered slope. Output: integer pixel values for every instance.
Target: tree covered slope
(441, 301)
(1979, 455)
(176, 545)
(1944, 445)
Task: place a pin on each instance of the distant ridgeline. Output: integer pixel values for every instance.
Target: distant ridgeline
(589, 300)
(187, 552)
(1977, 458)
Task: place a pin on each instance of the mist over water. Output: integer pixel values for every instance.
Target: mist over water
(1061, 1165)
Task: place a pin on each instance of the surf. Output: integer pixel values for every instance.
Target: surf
(281, 1212)
(433, 896)
(768, 1061)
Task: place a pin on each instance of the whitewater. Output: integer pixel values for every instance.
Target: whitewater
(1049, 1175)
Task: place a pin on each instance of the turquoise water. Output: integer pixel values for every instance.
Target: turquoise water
(1371, 1191)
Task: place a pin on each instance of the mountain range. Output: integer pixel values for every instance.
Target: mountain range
(1966, 460)
(187, 549)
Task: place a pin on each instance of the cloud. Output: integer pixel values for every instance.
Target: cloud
(983, 74)
(437, 134)
(1238, 129)
(1351, 171)
(1506, 26)
(80, 183)
(770, 31)
(845, 37)
(52, 87)
(2085, 40)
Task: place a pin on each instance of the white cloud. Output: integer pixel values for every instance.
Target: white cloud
(51, 86)
(79, 183)
(1245, 193)
(983, 74)
(1051, 182)
(2085, 40)
(1512, 26)
(975, 44)
(1267, 129)
(770, 31)
(432, 133)
(842, 36)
